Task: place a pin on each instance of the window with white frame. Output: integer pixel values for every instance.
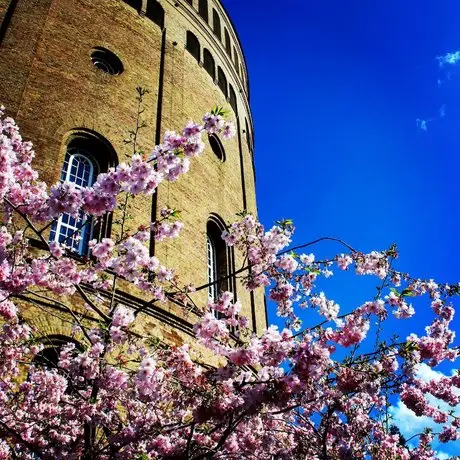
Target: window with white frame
(219, 261)
(212, 269)
(81, 169)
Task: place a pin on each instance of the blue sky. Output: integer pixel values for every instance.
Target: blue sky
(336, 89)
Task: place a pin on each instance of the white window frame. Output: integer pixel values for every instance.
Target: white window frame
(73, 154)
(212, 268)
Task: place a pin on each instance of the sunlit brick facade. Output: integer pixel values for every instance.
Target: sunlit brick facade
(59, 80)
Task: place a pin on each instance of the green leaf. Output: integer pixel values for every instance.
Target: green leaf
(408, 293)
(219, 111)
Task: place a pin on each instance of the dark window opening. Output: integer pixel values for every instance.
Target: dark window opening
(220, 263)
(48, 358)
(248, 135)
(222, 81)
(237, 61)
(193, 46)
(209, 64)
(217, 147)
(228, 46)
(216, 24)
(136, 4)
(105, 60)
(155, 13)
(203, 9)
(233, 102)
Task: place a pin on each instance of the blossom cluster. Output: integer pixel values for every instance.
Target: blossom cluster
(111, 393)
(168, 161)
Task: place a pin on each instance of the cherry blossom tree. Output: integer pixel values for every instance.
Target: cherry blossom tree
(303, 392)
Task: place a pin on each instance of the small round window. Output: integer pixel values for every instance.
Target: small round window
(105, 60)
(217, 147)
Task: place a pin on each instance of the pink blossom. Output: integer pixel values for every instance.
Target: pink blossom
(327, 308)
(122, 317)
(8, 310)
(228, 131)
(236, 393)
(343, 261)
(287, 263)
(449, 434)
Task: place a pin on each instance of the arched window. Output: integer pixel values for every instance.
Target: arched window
(222, 81)
(235, 57)
(48, 358)
(219, 259)
(87, 154)
(217, 147)
(75, 232)
(212, 268)
(155, 13)
(136, 4)
(209, 64)
(216, 24)
(203, 9)
(193, 46)
(228, 46)
(248, 135)
(233, 102)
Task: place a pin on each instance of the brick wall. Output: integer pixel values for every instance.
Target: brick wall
(49, 84)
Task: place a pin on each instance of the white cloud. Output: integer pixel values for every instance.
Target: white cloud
(421, 124)
(449, 58)
(410, 424)
(427, 373)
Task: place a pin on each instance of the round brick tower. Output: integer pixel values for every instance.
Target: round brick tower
(68, 74)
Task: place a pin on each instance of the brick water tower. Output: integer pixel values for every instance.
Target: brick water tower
(69, 70)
